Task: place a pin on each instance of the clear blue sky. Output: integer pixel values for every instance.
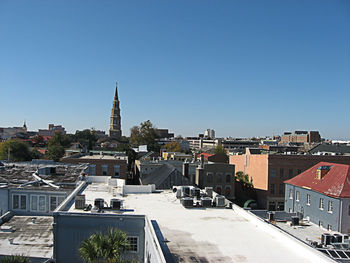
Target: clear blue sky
(243, 68)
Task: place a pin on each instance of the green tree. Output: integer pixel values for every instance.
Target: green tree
(144, 134)
(18, 149)
(220, 149)
(87, 137)
(173, 147)
(38, 141)
(55, 152)
(244, 178)
(107, 248)
(15, 259)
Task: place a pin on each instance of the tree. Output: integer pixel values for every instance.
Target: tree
(108, 247)
(87, 137)
(55, 152)
(173, 147)
(244, 178)
(38, 141)
(220, 149)
(18, 149)
(15, 259)
(144, 134)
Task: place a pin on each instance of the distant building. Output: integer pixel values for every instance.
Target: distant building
(164, 133)
(301, 137)
(11, 132)
(239, 145)
(209, 133)
(115, 129)
(51, 130)
(220, 176)
(322, 195)
(178, 156)
(102, 164)
(269, 171)
(330, 149)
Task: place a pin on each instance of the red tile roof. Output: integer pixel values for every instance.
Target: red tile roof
(336, 183)
(206, 155)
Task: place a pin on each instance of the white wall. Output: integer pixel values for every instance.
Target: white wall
(138, 189)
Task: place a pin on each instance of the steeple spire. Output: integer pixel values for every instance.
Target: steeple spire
(115, 130)
(116, 91)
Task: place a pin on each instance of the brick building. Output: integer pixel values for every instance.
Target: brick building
(301, 137)
(269, 171)
(103, 165)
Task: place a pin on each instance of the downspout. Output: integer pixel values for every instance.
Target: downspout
(340, 215)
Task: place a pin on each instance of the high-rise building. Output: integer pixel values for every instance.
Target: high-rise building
(115, 130)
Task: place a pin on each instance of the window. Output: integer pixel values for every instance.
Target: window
(272, 206)
(133, 244)
(104, 169)
(116, 170)
(281, 173)
(19, 202)
(299, 171)
(349, 210)
(272, 189)
(290, 194)
(308, 199)
(227, 190)
(228, 178)
(209, 177)
(330, 206)
(281, 190)
(92, 169)
(55, 201)
(321, 203)
(297, 196)
(38, 203)
(273, 172)
(290, 173)
(218, 189)
(280, 206)
(219, 177)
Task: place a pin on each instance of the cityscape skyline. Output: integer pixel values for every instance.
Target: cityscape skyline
(228, 66)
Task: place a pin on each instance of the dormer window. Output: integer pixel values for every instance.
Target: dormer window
(322, 171)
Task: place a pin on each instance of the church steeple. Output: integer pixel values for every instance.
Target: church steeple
(115, 130)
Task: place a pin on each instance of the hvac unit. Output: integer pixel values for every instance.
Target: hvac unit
(337, 238)
(209, 191)
(79, 202)
(271, 216)
(196, 192)
(326, 239)
(177, 191)
(220, 201)
(99, 203)
(206, 202)
(186, 191)
(187, 202)
(115, 204)
(295, 220)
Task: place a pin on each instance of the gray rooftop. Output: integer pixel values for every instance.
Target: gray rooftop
(29, 239)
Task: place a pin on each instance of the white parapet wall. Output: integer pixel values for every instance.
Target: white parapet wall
(138, 189)
(105, 180)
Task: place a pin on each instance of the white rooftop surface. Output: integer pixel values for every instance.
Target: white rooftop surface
(103, 157)
(211, 234)
(29, 239)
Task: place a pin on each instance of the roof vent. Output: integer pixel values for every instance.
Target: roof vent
(322, 171)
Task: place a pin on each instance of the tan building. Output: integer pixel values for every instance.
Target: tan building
(103, 165)
(178, 156)
(269, 171)
(301, 137)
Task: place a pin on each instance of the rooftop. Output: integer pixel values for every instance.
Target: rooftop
(30, 237)
(22, 175)
(103, 157)
(208, 234)
(335, 183)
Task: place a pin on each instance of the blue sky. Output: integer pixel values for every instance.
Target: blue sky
(243, 68)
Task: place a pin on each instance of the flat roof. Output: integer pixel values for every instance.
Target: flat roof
(29, 239)
(103, 157)
(209, 234)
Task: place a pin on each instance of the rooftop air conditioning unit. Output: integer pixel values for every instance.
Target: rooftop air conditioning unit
(186, 191)
(209, 191)
(295, 220)
(337, 238)
(206, 202)
(99, 203)
(196, 192)
(79, 202)
(220, 201)
(115, 204)
(326, 239)
(187, 202)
